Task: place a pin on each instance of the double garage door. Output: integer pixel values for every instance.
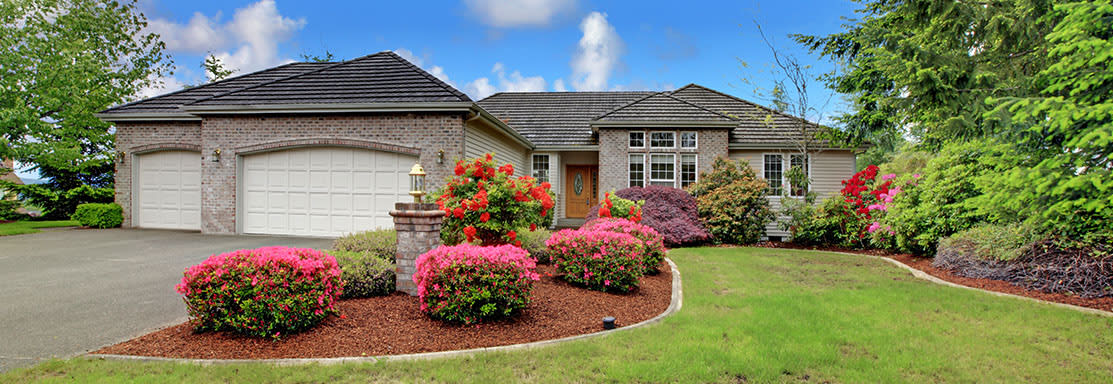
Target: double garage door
(315, 191)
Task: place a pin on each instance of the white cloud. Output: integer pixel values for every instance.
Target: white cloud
(434, 70)
(160, 86)
(201, 34)
(514, 82)
(558, 85)
(597, 54)
(520, 13)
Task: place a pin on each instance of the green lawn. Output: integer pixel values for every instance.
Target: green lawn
(24, 227)
(750, 315)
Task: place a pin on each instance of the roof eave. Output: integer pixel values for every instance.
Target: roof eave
(567, 148)
(595, 125)
(501, 125)
(734, 146)
(329, 108)
(123, 117)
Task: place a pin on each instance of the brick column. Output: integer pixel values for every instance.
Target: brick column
(419, 230)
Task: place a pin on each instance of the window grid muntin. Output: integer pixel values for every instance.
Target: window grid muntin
(637, 139)
(662, 139)
(774, 173)
(541, 168)
(688, 174)
(662, 169)
(637, 170)
(798, 160)
(689, 140)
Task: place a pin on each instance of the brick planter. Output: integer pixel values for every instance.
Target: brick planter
(419, 230)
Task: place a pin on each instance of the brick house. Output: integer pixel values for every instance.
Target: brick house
(322, 149)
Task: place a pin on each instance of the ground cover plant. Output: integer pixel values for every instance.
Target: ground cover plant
(264, 292)
(467, 283)
(749, 315)
(26, 227)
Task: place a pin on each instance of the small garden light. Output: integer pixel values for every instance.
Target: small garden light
(417, 182)
(608, 322)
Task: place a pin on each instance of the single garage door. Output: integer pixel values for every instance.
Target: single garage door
(323, 191)
(170, 190)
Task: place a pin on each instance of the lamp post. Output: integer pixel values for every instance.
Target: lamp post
(417, 182)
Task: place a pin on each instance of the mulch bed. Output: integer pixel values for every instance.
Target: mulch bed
(393, 325)
(924, 264)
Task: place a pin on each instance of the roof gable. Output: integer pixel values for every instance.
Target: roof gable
(662, 107)
(556, 118)
(756, 124)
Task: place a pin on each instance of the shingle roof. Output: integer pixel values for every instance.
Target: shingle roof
(663, 107)
(556, 118)
(383, 77)
(171, 102)
(757, 124)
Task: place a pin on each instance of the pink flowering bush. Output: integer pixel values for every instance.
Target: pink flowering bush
(265, 292)
(653, 241)
(467, 283)
(598, 259)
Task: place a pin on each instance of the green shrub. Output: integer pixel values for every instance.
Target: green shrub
(96, 215)
(732, 202)
(994, 241)
(364, 274)
(8, 209)
(830, 223)
(616, 207)
(382, 243)
(534, 243)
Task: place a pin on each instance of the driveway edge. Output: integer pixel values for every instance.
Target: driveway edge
(675, 303)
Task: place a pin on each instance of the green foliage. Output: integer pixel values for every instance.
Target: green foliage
(365, 273)
(617, 207)
(732, 202)
(534, 243)
(8, 209)
(382, 243)
(61, 203)
(994, 242)
(831, 223)
(95, 215)
(215, 69)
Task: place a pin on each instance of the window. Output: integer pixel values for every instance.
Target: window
(687, 170)
(637, 139)
(662, 170)
(688, 139)
(774, 173)
(662, 139)
(637, 170)
(541, 168)
(798, 161)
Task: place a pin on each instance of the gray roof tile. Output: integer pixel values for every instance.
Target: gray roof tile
(757, 124)
(556, 118)
(663, 107)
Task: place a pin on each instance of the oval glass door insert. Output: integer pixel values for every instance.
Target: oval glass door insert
(578, 184)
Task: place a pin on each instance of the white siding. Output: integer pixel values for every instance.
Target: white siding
(480, 139)
(828, 170)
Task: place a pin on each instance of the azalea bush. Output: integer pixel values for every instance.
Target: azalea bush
(597, 259)
(365, 273)
(670, 211)
(468, 283)
(617, 207)
(265, 292)
(732, 203)
(654, 243)
(488, 205)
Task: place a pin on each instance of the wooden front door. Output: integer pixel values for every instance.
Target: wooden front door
(580, 190)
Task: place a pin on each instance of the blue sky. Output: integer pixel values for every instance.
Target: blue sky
(485, 46)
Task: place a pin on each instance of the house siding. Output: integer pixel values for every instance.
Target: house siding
(133, 137)
(828, 170)
(480, 139)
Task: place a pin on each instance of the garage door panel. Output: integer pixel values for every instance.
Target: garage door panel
(169, 190)
(324, 191)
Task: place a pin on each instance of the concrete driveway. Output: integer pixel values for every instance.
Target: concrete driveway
(66, 292)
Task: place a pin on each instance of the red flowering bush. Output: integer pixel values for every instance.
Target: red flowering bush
(653, 241)
(670, 211)
(265, 292)
(488, 205)
(599, 260)
(617, 207)
(467, 283)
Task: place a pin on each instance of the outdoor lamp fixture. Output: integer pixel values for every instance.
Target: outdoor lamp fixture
(120, 156)
(216, 155)
(440, 156)
(417, 182)
(608, 322)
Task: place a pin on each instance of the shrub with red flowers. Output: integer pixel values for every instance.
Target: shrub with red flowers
(670, 211)
(600, 260)
(265, 292)
(467, 283)
(617, 207)
(653, 241)
(487, 205)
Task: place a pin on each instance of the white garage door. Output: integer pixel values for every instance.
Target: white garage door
(170, 190)
(323, 191)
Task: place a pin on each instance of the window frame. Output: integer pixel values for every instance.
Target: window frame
(548, 167)
(695, 138)
(695, 170)
(651, 180)
(765, 173)
(629, 172)
(807, 171)
(630, 138)
(650, 140)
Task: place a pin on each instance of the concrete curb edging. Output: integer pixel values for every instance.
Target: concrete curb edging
(675, 303)
(924, 275)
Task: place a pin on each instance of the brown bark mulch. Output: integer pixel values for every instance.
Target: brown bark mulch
(924, 264)
(393, 324)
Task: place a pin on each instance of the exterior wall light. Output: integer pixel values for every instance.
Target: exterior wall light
(216, 155)
(440, 156)
(417, 182)
(121, 156)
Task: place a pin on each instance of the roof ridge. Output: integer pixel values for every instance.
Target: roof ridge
(333, 65)
(669, 95)
(626, 105)
(429, 76)
(221, 81)
(771, 110)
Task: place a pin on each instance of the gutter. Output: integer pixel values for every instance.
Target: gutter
(121, 117)
(479, 112)
(596, 125)
(327, 108)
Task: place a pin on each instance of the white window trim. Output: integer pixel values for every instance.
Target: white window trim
(649, 140)
(650, 180)
(808, 159)
(782, 171)
(645, 173)
(681, 141)
(645, 139)
(680, 170)
(548, 170)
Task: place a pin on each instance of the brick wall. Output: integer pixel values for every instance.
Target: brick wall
(134, 138)
(614, 150)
